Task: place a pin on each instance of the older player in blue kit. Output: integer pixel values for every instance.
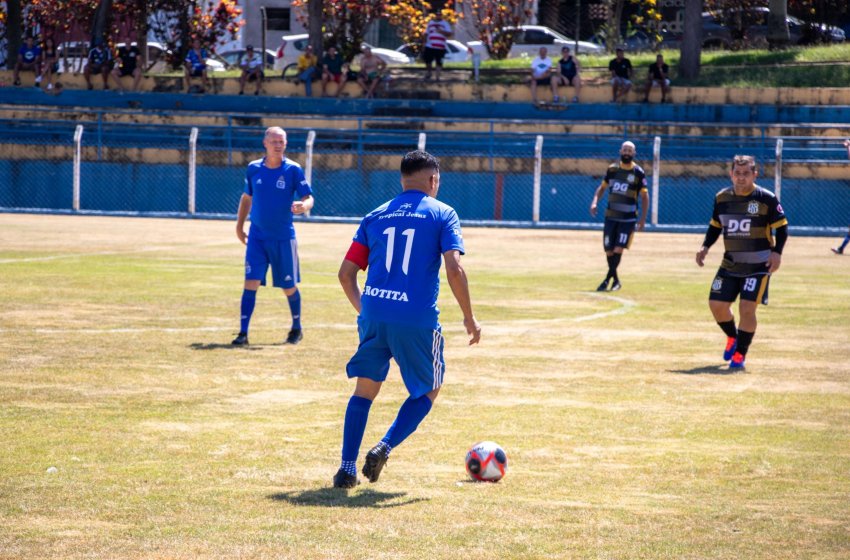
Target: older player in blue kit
(401, 243)
(271, 186)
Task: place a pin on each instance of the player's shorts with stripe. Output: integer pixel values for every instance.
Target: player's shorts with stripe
(750, 288)
(418, 351)
(617, 234)
(280, 254)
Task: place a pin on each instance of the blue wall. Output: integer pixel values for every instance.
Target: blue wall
(149, 188)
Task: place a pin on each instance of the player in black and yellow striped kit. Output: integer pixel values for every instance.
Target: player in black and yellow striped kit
(625, 182)
(746, 215)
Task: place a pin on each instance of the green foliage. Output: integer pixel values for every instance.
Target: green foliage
(344, 23)
(494, 20)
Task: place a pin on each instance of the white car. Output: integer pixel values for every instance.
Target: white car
(529, 38)
(455, 51)
(292, 46)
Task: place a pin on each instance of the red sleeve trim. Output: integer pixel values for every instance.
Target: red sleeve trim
(358, 254)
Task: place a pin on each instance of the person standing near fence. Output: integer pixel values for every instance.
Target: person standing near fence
(434, 44)
(625, 182)
(840, 249)
(745, 214)
(401, 244)
(271, 186)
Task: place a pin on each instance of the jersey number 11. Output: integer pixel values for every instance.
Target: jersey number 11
(390, 233)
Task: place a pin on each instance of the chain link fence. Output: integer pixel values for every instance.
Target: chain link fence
(490, 177)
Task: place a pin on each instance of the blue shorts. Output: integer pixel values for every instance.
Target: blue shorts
(418, 352)
(281, 254)
(617, 234)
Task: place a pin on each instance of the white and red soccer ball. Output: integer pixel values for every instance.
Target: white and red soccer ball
(486, 461)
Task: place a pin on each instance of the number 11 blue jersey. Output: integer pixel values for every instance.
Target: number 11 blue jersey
(406, 238)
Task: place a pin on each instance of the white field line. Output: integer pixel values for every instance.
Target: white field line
(106, 253)
(626, 305)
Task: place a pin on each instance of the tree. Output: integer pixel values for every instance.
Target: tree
(344, 22)
(777, 24)
(12, 20)
(497, 22)
(689, 60)
(411, 17)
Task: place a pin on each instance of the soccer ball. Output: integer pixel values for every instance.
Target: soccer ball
(486, 461)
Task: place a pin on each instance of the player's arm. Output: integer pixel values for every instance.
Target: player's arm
(460, 288)
(303, 205)
(600, 190)
(355, 260)
(644, 208)
(774, 261)
(712, 234)
(241, 216)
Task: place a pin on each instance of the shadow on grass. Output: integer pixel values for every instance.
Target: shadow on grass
(712, 370)
(338, 497)
(222, 346)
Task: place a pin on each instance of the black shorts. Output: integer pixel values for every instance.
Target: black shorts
(543, 81)
(197, 72)
(126, 71)
(567, 80)
(434, 55)
(750, 288)
(617, 234)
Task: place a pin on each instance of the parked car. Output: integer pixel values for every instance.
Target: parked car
(456, 51)
(638, 40)
(232, 57)
(529, 38)
(800, 32)
(292, 46)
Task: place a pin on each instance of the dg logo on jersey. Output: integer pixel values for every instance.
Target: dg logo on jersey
(753, 208)
(281, 183)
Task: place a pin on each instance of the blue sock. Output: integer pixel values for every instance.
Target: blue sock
(295, 308)
(845, 242)
(356, 416)
(409, 416)
(249, 298)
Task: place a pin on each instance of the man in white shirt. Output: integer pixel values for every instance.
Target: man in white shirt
(542, 75)
(252, 70)
(436, 33)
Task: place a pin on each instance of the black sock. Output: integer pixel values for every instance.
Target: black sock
(729, 328)
(615, 262)
(611, 267)
(744, 340)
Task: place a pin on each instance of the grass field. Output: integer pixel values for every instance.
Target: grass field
(626, 435)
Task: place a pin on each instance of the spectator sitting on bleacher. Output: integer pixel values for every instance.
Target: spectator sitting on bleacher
(252, 70)
(128, 65)
(542, 75)
(29, 58)
(99, 62)
(658, 76)
(333, 68)
(49, 62)
(568, 73)
(371, 72)
(307, 69)
(621, 76)
(195, 65)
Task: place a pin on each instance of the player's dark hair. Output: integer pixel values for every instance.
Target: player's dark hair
(414, 162)
(744, 160)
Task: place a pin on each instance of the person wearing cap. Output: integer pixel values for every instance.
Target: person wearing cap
(99, 62)
(252, 70)
(307, 69)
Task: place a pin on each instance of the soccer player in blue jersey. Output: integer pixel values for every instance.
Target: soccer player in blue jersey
(275, 189)
(401, 243)
(747, 216)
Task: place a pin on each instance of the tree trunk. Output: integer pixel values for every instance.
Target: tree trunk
(14, 26)
(777, 25)
(547, 13)
(100, 29)
(142, 33)
(314, 22)
(691, 40)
